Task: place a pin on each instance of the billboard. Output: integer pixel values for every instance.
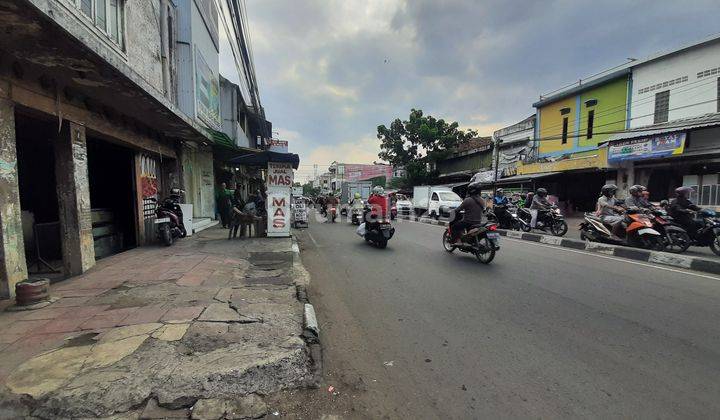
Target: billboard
(207, 93)
(358, 172)
(647, 147)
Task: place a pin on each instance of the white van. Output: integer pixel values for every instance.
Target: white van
(435, 201)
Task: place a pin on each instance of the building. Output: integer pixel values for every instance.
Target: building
(674, 126)
(105, 105)
(351, 172)
(465, 160)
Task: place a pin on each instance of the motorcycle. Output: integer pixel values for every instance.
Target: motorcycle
(377, 231)
(675, 239)
(481, 240)
(169, 218)
(547, 220)
(355, 216)
(638, 231)
(393, 212)
(505, 216)
(333, 214)
(709, 233)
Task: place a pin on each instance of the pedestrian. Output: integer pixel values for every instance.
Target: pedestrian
(223, 197)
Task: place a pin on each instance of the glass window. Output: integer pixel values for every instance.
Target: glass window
(434, 197)
(113, 23)
(662, 106)
(449, 196)
(565, 131)
(86, 7)
(101, 15)
(590, 123)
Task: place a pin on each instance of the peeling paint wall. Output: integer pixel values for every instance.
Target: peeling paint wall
(144, 43)
(12, 251)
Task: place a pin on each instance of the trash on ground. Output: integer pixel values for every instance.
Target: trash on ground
(390, 363)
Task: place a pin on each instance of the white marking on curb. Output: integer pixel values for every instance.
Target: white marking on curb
(668, 259)
(295, 248)
(599, 247)
(551, 240)
(513, 234)
(310, 319)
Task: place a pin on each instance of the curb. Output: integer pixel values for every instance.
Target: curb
(686, 262)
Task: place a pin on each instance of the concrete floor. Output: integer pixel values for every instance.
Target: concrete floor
(414, 332)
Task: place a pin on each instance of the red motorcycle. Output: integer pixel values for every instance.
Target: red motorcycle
(333, 214)
(169, 218)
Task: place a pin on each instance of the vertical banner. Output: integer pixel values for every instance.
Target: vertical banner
(279, 184)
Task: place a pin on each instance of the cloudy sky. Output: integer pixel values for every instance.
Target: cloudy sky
(331, 71)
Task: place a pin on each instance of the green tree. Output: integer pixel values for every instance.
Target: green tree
(419, 142)
(309, 190)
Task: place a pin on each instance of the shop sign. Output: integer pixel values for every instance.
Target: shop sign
(279, 175)
(597, 159)
(647, 147)
(278, 211)
(297, 191)
(207, 92)
(279, 146)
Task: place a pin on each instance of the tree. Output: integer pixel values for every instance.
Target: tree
(309, 190)
(417, 143)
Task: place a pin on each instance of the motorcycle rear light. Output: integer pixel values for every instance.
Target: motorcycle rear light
(492, 227)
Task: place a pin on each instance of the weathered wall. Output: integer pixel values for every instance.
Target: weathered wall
(144, 41)
(12, 250)
(198, 179)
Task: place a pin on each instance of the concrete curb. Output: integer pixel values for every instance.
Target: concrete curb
(705, 265)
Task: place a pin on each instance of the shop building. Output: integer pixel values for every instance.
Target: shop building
(466, 160)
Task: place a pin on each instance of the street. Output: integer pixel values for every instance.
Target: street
(414, 332)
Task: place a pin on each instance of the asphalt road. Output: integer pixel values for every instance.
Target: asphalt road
(414, 332)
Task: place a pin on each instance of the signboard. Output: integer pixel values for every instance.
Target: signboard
(647, 147)
(278, 211)
(207, 93)
(592, 159)
(279, 175)
(359, 172)
(279, 146)
(297, 191)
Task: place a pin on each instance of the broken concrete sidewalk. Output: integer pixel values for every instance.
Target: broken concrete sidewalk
(206, 321)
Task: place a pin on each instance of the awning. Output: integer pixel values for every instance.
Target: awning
(521, 178)
(221, 139)
(703, 121)
(262, 159)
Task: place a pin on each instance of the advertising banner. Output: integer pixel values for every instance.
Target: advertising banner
(359, 172)
(278, 203)
(207, 93)
(647, 147)
(279, 146)
(279, 186)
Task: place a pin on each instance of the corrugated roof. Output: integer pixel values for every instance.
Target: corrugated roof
(707, 120)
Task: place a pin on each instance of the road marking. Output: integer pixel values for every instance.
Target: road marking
(599, 255)
(313, 240)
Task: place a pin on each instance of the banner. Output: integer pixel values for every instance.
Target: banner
(279, 175)
(275, 145)
(278, 212)
(647, 147)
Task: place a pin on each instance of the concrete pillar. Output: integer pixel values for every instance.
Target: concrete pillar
(73, 191)
(13, 268)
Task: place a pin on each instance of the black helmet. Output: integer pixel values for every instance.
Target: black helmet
(542, 192)
(473, 189)
(683, 191)
(636, 189)
(608, 190)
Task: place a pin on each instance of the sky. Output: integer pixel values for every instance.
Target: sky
(331, 71)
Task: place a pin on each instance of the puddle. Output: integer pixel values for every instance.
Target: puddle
(86, 339)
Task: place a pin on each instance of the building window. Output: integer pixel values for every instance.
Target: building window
(718, 94)
(565, 130)
(107, 15)
(662, 103)
(590, 123)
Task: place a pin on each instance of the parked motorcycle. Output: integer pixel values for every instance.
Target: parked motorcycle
(638, 231)
(550, 220)
(505, 216)
(481, 240)
(169, 218)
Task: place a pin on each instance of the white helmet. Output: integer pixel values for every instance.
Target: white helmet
(378, 190)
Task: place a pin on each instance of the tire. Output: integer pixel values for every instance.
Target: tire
(183, 232)
(559, 228)
(487, 256)
(715, 245)
(166, 235)
(382, 244)
(679, 241)
(446, 242)
(525, 227)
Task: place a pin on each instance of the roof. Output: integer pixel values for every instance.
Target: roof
(707, 120)
(475, 144)
(262, 158)
(521, 178)
(221, 139)
(617, 71)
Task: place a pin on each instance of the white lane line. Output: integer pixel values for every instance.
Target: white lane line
(313, 239)
(598, 255)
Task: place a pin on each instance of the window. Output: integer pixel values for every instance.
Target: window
(86, 7)
(565, 130)
(107, 15)
(590, 122)
(435, 197)
(101, 14)
(662, 103)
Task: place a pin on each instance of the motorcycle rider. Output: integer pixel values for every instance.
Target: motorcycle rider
(682, 210)
(378, 203)
(539, 202)
(528, 200)
(474, 207)
(637, 199)
(500, 199)
(330, 202)
(607, 209)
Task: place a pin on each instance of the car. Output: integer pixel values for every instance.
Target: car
(403, 204)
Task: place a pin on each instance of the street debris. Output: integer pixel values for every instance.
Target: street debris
(390, 363)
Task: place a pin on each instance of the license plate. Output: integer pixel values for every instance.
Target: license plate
(385, 227)
(163, 220)
(648, 231)
(494, 236)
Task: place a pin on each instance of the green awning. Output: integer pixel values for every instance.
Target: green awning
(221, 139)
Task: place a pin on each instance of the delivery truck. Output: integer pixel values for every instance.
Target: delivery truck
(348, 190)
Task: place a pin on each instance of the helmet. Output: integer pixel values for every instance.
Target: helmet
(500, 191)
(608, 190)
(542, 192)
(357, 195)
(683, 191)
(473, 189)
(636, 190)
(378, 190)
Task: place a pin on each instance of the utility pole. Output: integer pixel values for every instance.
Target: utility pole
(497, 144)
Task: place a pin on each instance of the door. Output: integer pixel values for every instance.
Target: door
(434, 204)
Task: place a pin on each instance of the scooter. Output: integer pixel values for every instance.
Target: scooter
(708, 232)
(675, 239)
(638, 232)
(355, 215)
(481, 240)
(169, 218)
(333, 214)
(376, 231)
(550, 220)
(505, 216)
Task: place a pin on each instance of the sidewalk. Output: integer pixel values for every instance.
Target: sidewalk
(157, 329)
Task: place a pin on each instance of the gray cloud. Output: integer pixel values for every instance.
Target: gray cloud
(331, 71)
